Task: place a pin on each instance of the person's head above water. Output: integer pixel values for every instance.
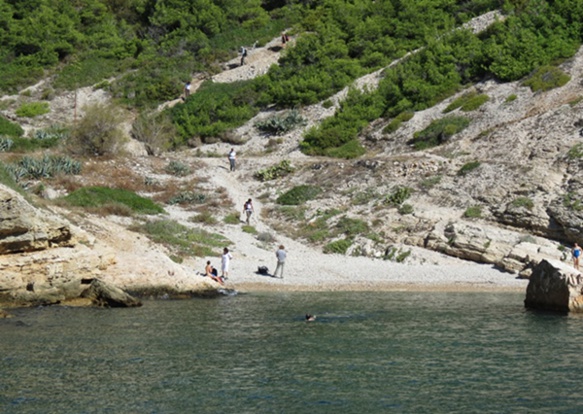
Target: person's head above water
(310, 318)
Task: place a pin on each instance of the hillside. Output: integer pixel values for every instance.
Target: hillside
(504, 191)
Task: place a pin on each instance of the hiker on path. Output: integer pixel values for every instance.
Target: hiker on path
(187, 90)
(248, 210)
(243, 54)
(232, 158)
(281, 255)
(225, 260)
(576, 253)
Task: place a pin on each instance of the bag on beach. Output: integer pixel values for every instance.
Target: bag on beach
(263, 270)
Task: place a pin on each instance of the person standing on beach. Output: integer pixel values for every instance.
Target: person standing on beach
(248, 210)
(232, 159)
(576, 253)
(281, 255)
(225, 260)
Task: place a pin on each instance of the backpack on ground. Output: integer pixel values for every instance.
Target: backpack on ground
(263, 270)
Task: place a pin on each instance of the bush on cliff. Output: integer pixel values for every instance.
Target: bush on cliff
(99, 197)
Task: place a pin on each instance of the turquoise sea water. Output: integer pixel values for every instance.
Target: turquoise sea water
(366, 353)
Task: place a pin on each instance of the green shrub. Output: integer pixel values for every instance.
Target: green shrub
(155, 130)
(204, 218)
(523, 202)
(430, 182)
(467, 102)
(249, 229)
(281, 124)
(45, 167)
(398, 196)
(5, 144)
(338, 246)
(183, 241)
(9, 128)
(177, 168)
(575, 101)
(95, 197)
(298, 195)
(473, 212)
(99, 132)
(275, 171)
(351, 227)
(546, 78)
(576, 151)
(396, 123)
(30, 110)
(232, 218)
(572, 202)
(510, 98)
(352, 149)
(327, 104)
(468, 167)
(405, 209)
(438, 132)
(188, 197)
(364, 197)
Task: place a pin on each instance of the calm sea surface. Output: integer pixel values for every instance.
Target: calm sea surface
(253, 353)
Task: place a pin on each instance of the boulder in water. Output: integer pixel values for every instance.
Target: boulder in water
(109, 296)
(555, 286)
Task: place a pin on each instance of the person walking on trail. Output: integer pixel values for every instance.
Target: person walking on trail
(281, 255)
(232, 159)
(576, 252)
(248, 210)
(187, 90)
(243, 54)
(225, 260)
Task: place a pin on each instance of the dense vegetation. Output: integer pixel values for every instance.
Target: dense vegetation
(143, 51)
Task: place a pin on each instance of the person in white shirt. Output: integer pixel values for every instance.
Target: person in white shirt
(232, 158)
(225, 260)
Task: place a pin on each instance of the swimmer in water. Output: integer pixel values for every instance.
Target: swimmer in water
(310, 318)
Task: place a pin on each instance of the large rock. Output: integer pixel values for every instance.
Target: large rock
(24, 228)
(103, 294)
(555, 286)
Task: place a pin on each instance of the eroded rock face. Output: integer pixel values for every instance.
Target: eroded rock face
(105, 295)
(555, 286)
(479, 242)
(25, 229)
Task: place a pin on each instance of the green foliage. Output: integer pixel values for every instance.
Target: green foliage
(523, 202)
(572, 202)
(575, 101)
(575, 152)
(298, 195)
(45, 167)
(92, 197)
(510, 98)
(398, 196)
(5, 144)
(183, 241)
(232, 218)
(467, 102)
(155, 130)
(364, 197)
(438, 132)
(188, 197)
(430, 182)
(396, 123)
(249, 229)
(281, 124)
(473, 212)
(7, 179)
(405, 209)
(204, 218)
(351, 149)
(351, 227)
(467, 168)
(9, 128)
(99, 132)
(546, 78)
(338, 246)
(397, 255)
(177, 168)
(32, 109)
(214, 109)
(275, 171)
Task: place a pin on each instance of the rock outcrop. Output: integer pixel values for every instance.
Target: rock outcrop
(555, 286)
(24, 228)
(102, 294)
